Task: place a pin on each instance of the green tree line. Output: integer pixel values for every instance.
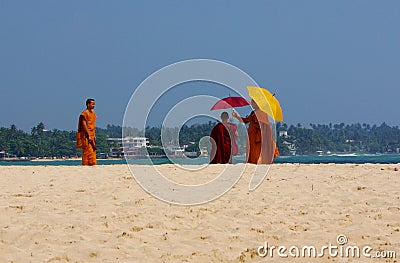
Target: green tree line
(45, 143)
(343, 138)
(362, 138)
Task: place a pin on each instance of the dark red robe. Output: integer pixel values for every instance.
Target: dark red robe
(221, 147)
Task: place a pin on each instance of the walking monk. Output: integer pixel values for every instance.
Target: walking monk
(261, 147)
(221, 140)
(87, 131)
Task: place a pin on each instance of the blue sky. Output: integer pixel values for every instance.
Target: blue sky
(327, 61)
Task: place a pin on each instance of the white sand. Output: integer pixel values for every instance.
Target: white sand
(100, 214)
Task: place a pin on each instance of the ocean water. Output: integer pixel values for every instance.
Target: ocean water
(339, 159)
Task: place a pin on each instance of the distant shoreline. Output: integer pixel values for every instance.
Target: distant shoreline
(297, 159)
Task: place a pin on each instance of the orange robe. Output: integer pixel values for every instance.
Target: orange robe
(261, 147)
(88, 153)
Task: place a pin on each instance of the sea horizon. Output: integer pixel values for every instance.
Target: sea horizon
(350, 158)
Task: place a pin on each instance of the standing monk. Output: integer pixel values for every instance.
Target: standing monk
(260, 147)
(221, 151)
(87, 127)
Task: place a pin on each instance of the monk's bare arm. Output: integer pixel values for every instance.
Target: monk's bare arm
(234, 114)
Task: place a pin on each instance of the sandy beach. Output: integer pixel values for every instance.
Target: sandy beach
(101, 214)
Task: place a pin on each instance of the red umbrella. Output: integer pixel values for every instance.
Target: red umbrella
(230, 102)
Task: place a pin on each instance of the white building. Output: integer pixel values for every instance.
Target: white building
(283, 133)
(127, 145)
(177, 151)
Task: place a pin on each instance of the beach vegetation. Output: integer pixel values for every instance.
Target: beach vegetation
(298, 139)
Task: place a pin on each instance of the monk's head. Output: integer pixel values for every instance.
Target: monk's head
(254, 105)
(224, 116)
(90, 104)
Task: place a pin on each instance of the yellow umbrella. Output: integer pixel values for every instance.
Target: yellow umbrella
(266, 101)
